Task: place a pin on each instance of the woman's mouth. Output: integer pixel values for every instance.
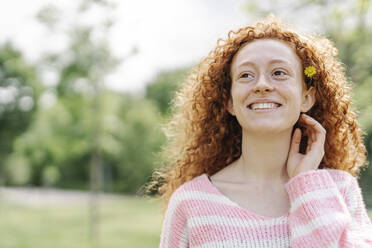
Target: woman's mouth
(264, 107)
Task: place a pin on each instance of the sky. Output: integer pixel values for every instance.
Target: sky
(168, 34)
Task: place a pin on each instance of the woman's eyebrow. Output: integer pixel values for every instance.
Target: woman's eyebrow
(245, 63)
(251, 63)
(282, 61)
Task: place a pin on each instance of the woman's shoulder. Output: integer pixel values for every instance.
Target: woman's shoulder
(191, 187)
(343, 179)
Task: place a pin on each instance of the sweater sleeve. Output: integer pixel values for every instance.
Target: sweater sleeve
(322, 216)
(174, 230)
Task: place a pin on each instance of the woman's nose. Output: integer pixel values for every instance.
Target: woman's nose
(262, 86)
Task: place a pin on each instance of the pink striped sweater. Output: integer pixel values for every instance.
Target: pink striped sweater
(327, 210)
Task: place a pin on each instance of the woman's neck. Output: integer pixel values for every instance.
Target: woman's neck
(264, 157)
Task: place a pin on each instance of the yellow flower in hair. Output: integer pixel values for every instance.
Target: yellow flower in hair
(310, 71)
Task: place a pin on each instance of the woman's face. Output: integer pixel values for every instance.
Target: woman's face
(268, 71)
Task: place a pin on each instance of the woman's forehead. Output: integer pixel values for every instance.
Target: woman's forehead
(266, 51)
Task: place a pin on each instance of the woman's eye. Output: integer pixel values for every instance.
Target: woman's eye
(279, 73)
(245, 75)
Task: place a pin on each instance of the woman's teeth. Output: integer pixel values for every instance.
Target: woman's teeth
(263, 106)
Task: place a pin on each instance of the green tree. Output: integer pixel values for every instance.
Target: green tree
(19, 92)
(141, 139)
(163, 88)
(88, 119)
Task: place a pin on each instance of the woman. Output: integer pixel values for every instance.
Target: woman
(264, 148)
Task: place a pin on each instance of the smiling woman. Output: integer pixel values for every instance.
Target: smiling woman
(264, 149)
(263, 72)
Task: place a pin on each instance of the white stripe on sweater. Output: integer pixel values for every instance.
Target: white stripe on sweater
(313, 224)
(245, 244)
(333, 245)
(315, 195)
(183, 243)
(235, 222)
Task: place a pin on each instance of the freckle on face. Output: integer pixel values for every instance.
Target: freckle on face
(261, 58)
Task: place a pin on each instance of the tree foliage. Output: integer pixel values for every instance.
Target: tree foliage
(19, 92)
(163, 88)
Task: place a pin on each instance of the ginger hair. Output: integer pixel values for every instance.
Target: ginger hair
(203, 137)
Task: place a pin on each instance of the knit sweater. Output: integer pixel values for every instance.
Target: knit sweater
(326, 210)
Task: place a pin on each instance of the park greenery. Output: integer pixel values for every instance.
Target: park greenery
(64, 224)
(51, 133)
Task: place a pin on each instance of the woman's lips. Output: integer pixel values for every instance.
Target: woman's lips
(265, 110)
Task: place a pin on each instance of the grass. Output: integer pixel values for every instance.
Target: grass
(128, 222)
(125, 222)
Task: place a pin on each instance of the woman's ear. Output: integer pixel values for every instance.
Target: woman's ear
(230, 107)
(308, 99)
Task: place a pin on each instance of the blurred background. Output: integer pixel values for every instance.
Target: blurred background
(85, 86)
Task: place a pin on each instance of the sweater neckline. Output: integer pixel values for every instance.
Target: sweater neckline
(249, 212)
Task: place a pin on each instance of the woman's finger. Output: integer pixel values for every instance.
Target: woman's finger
(296, 139)
(318, 129)
(310, 135)
(313, 135)
(309, 143)
(315, 130)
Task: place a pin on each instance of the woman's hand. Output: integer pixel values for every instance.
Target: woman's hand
(298, 162)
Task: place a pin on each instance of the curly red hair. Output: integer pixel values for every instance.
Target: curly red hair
(204, 138)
